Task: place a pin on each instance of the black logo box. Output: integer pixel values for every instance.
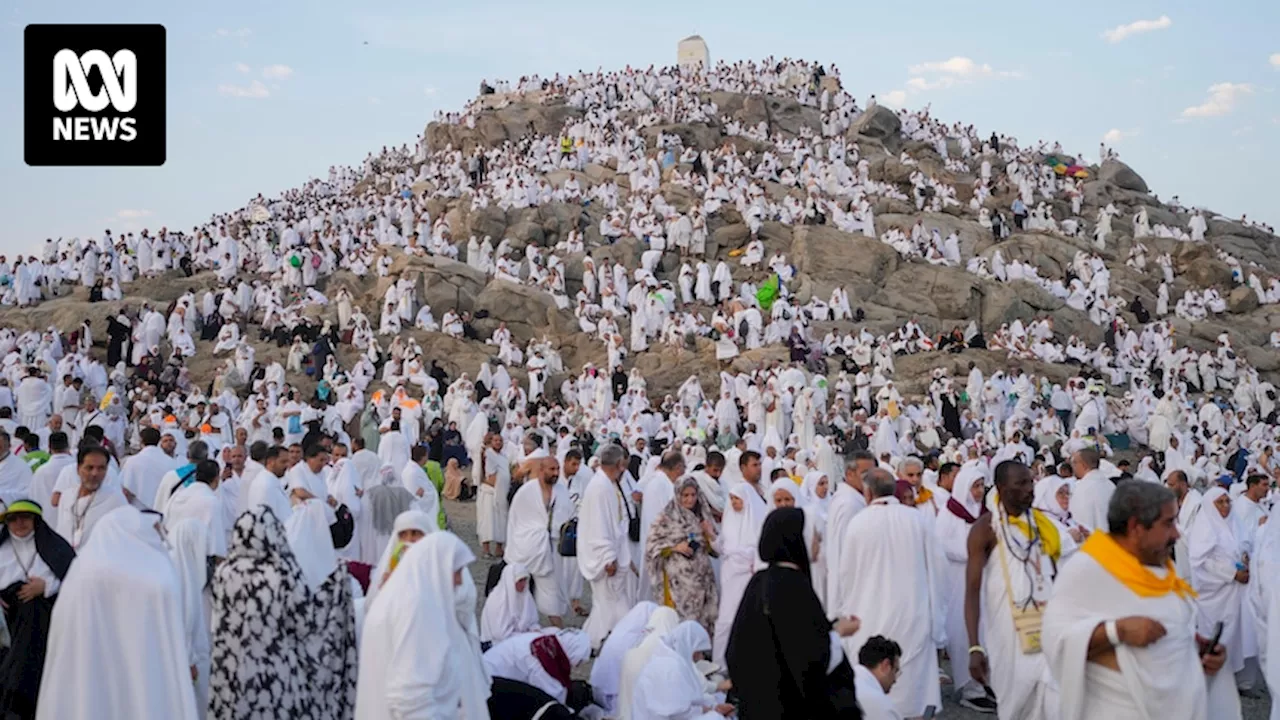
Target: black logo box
(41, 43)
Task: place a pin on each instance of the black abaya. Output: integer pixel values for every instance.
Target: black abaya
(22, 663)
(779, 648)
(513, 700)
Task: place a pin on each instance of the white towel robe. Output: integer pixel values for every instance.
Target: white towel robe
(1162, 680)
(602, 539)
(891, 552)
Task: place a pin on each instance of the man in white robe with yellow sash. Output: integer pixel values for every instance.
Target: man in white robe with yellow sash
(1014, 552)
(1119, 630)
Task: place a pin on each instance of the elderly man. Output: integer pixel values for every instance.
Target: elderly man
(1118, 632)
(1092, 493)
(605, 526)
(890, 551)
(850, 498)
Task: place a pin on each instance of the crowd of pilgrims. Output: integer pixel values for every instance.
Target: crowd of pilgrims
(254, 550)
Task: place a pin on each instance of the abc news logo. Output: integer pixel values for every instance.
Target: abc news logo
(107, 105)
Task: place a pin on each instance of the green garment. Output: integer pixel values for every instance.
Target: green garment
(436, 474)
(35, 458)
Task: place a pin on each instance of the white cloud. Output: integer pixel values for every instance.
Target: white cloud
(1114, 136)
(241, 67)
(951, 72)
(429, 91)
(1221, 101)
(128, 214)
(959, 66)
(1275, 60)
(254, 89)
(374, 101)
(237, 33)
(894, 98)
(1120, 32)
(277, 72)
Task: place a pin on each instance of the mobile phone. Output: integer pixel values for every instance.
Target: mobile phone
(1217, 635)
(928, 712)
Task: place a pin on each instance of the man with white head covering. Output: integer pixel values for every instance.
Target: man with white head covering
(418, 657)
(119, 618)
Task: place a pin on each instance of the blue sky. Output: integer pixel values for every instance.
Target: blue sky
(262, 96)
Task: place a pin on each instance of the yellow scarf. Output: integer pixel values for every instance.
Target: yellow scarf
(923, 496)
(1049, 536)
(1048, 532)
(1124, 566)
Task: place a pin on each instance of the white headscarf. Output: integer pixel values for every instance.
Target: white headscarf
(508, 611)
(1212, 532)
(188, 544)
(662, 621)
(308, 532)
(785, 483)
(407, 520)
(742, 529)
(123, 575)
(963, 488)
(415, 648)
(606, 671)
(809, 490)
(1047, 498)
(668, 681)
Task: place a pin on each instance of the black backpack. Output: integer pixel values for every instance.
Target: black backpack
(342, 529)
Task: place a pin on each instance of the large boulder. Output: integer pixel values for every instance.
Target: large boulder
(527, 311)
(441, 283)
(498, 125)
(1199, 265)
(831, 257)
(1242, 300)
(879, 123)
(789, 116)
(1122, 176)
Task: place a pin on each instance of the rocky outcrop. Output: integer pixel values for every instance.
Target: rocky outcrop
(1242, 300)
(878, 123)
(1122, 176)
(495, 127)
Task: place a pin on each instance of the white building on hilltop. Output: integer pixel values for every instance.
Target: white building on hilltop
(692, 52)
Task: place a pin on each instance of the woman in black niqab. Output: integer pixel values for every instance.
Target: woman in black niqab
(780, 646)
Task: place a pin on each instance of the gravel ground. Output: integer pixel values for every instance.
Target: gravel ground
(462, 520)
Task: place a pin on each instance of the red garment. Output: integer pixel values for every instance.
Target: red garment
(551, 656)
(361, 572)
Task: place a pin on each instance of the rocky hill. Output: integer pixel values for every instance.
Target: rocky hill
(887, 287)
